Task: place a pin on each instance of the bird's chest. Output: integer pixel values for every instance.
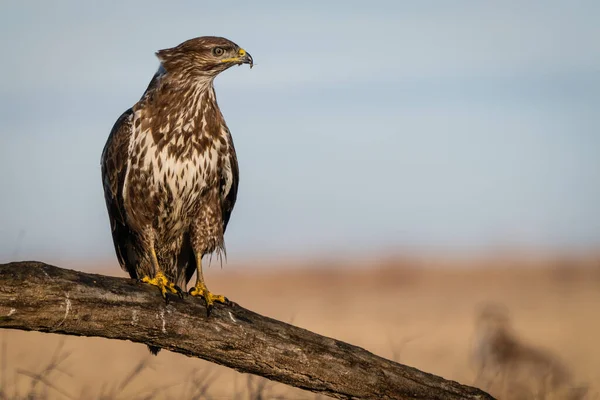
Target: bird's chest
(183, 180)
(176, 176)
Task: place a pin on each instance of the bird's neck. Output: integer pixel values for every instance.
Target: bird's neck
(183, 88)
(173, 107)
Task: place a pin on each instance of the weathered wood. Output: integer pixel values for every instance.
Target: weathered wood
(40, 297)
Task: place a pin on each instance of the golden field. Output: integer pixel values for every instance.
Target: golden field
(418, 311)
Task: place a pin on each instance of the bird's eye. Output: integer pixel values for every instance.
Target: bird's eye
(218, 51)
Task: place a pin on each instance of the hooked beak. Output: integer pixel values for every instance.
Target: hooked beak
(243, 57)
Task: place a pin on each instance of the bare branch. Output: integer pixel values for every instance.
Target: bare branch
(40, 297)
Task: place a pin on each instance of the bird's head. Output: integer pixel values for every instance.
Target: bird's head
(205, 56)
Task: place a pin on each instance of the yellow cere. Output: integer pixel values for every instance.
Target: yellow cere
(241, 53)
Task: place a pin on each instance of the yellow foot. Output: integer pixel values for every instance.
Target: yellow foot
(200, 290)
(166, 287)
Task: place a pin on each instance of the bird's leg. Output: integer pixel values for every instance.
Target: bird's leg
(201, 290)
(160, 280)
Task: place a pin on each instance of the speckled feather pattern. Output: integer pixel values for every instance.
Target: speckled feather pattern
(170, 172)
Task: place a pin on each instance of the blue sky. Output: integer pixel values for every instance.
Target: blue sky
(364, 125)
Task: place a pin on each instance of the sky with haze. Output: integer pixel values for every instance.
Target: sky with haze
(452, 125)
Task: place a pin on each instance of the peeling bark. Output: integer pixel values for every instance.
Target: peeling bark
(39, 297)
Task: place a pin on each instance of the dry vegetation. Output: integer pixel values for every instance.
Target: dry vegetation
(514, 369)
(537, 340)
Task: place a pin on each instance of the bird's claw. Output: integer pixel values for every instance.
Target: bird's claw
(179, 292)
(200, 290)
(166, 287)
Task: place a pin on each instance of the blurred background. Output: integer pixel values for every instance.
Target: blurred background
(443, 155)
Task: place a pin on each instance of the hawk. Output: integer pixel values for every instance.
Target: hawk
(170, 172)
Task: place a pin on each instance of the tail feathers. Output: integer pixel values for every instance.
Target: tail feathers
(154, 350)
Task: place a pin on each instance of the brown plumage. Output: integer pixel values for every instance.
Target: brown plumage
(170, 171)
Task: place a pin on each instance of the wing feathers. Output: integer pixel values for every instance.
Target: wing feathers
(114, 170)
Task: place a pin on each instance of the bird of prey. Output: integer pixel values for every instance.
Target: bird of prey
(170, 171)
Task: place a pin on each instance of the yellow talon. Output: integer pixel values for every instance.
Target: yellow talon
(161, 281)
(200, 290)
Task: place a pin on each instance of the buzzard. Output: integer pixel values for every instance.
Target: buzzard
(170, 172)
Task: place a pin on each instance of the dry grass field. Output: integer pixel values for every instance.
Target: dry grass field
(422, 312)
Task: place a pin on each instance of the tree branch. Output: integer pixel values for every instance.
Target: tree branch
(40, 297)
